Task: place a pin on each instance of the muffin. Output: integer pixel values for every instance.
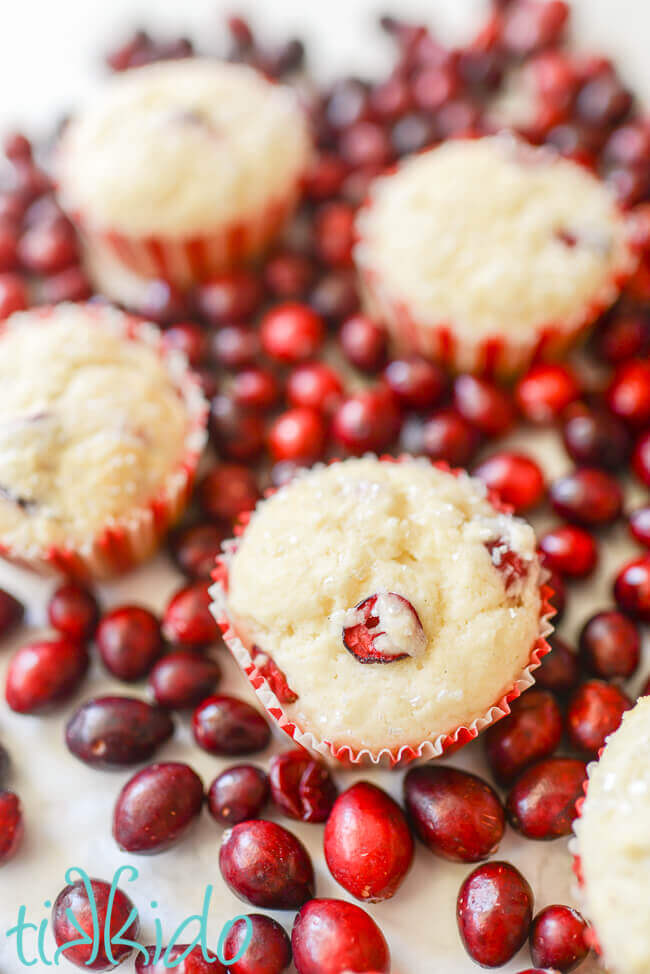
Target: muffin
(487, 253)
(612, 845)
(101, 433)
(183, 168)
(382, 609)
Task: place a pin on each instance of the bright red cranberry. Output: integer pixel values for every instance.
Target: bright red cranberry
(11, 825)
(315, 385)
(227, 491)
(301, 786)
(557, 938)
(545, 391)
(237, 433)
(129, 642)
(235, 346)
(610, 645)
(596, 438)
(73, 611)
(11, 612)
(416, 383)
(193, 963)
(588, 497)
(533, 730)
(291, 333)
(366, 144)
(13, 294)
(229, 297)
(639, 525)
(326, 176)
(391, 98)
(238, 794)
(48, 247)
(569, 550)
(74, 910)
(335, 295)
(364, 343)
(484, 405)
(44, 673)
(594, 712)
(269, 951)
(628, 395)
(560, 670)
(228, 726)
(156, 807)
(334, 233)
(288, 276)
(255, 388)
(267, 866)
(445, 436)
(641, 458)
(163, 303)
(115, 732)
(541, 804)
(494, 911)
(297, 435)
(434, 85)
(367, 421)
(180, 681)
(624, 336)
(456, 814)
(368, 845)
(189, 338)
(632, 588)
(369, 639)
(515, 477)
(195, 548)
(187, 620)
(330, 936)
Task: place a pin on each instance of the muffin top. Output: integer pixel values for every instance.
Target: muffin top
(492, 237)
(613, 840)
(395, 599)
(91, 424)
(178, 147)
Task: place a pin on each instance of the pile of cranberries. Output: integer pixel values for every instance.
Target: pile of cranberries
(256, 338)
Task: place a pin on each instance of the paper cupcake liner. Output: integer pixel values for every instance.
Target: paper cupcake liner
(591, 937)
(127, 540)
(345, 753)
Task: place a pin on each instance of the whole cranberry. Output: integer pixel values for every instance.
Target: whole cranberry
(297, 435)
(596, 438)
(269, 950)
(187, 620)
(390, 99)
(541, 804)
(347, 103)
(368, 845)
(163, 303)
(180, 681)
(624, 336)
(330, 936)
(326, 176)
(638, 523)
(560, 670)
(365, 144)
(48, 247)
(288, 275)
(610, 646)
(515, 477)
(267, 866)
(195, 548)
(228, 726)
(45, 672)
(557, 938)
(255, 388)
(11, 825)
(545, 391)
(456, 814)
(74, 910)
(238, 794)
(628, 395)
(446, 436)
(603, 101)
(291, 333)
(315, 385)
(434, 85)
(588, 497)
(237, 433)
(227, 491)
(413, 132)
(73, 611)
(335, 295)
(494, 911)
(129, 641)
(156, 807)
(229, 297)
(483, 404)
(570, 551)
(193, 962)
(301, 786)
(594, 712)
(115, 732)
(632, 588)
(334, 233)
(367, 421)
(532, 730)
(189, 338)
(235, 347)
(364, 343)
(13, 294)
(11, 612)
(641, 458)
(416, 383)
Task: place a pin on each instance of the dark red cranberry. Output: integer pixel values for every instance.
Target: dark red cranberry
(639, 524)
(228, 726)
(368, 639)
(315, 385)
(632, 588)
(162, 303)
(494, 912)
(560, 670)
(269, 950)
(347, 103)
(229, 297)
(628, 145)
(413, 132)
(194, 961)
(45, 672)
(595, 710)
(181, 681)
(267, 866)
(288, 276)
(73, 610)
(456, 814)
(335, 295)
(603, 101)
(195, 548)
(189, 338)
(368, 845)
(11, 612)
(541, 804)
(416, 383)
(255, 388)
(364, 343)
(545, 391)
(515, 477)
(587, 496)
(624, 336)
(75, 910)
(291, 333)
(367, 421)
(187, 620)
(208, 380)
(330, 936)
(238, 794)
(390, 99)
(610, 645)
(570, 551)
(484, 405)
(301, 786)
(628, 395)
(227, 491)
(557, 938)
(533, 730)
(48, 247)
(447, 436)
(297, 435)
(13, 294)
(434, 85)
(235, 346)
(334, 233)
(596, 438)
(115, 732)
(129, 642)
(365, 144)
(641, 458)
(156, 807)
(238, 433)
(325, 178)
(11, 825)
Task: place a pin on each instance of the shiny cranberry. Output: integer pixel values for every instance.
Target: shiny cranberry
(623, 337)
(11, 825)
(368, 845)
(545, 391)
(595, 710)
(162, 303)
(334, 233)
(434, 85)
(189, 338)
(229, 297)
(632, 588)
(325, 178)
(44, 673)
(315, 385)
(13, 294)
(456, 814)
(533, 730)
(365, 144)
(484, 405)
(541, 804)
(444, 436)
(269, 950)
(156, 807)
(628, 145)
(603, 101)
(335, 295)
(610, 645)
(557, 938)
(416, 383)
(639, 525)
(73, 611)
(11, 612)
(180, 681)
(288, 276)
(227, 491)
(588, 496)
(235, 346)
(560, 670)
(367, 421)
(129, 642)
(391, 98)
(330, 936)
(515, 477)
(238, 794)
(193, 963)
(255, 388)
(187, 620)
(494, 911)
(195, 548)
(238, 433)
(48, 247)
(267, 866)
(596, 439)
(228, 726)
(569, 550)
(291, 333)
(115, 732)
(75, 910)
(628, 395)
(297, 435)
(641, 458)
(364, 343)
(347, 103)
(301, 786)
(413, 132)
